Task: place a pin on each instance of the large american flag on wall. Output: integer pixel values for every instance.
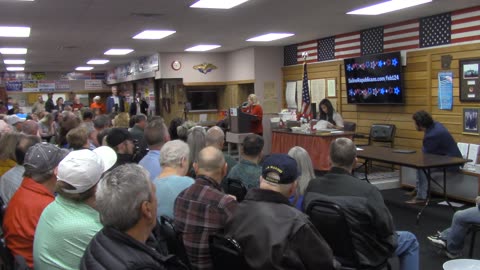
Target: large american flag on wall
(466, 25)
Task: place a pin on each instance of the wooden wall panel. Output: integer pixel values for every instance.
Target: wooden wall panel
(421, 93)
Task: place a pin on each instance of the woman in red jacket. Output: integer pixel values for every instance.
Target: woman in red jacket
(255, 109)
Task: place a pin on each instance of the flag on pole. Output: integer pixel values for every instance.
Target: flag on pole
(305, 93)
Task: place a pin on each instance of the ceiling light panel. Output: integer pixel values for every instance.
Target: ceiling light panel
(97, 62)
(14, 31)
(13, 50)
(218, 4)
(153, 34)
(118, 51)
(15, 68)
(202, 48)
(388, 6)
(83, 68)
(270, 37)
(14, 61)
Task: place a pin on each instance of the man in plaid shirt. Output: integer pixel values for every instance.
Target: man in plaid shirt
(203, 209)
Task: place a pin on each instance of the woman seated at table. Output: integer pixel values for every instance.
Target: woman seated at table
(327, 113)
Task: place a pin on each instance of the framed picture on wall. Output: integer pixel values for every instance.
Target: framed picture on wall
(469, 80)
(470, 121)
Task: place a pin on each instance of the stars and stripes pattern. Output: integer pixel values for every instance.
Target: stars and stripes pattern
(401, 36)
(305, 92)
(326, 49)
(435, 30)
(347, 45)
(290, 55)
(466, 25)
(309, 47)
(372, 41)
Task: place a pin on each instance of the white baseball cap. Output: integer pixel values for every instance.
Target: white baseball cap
(82, 169)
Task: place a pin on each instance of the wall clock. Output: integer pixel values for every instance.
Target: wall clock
(176, 65)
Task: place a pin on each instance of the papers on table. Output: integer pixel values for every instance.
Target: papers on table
(454, 204)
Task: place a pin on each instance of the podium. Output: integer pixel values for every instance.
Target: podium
(240, 122)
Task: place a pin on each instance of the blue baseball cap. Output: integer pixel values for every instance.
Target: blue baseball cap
(283, 165)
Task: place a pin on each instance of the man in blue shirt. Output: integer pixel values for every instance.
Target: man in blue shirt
(248, 169)
(437, 140)
(155, 135)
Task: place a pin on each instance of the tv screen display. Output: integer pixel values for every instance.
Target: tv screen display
(202, 100)
(374, 79)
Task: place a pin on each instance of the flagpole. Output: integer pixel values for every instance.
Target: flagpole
(305, 55)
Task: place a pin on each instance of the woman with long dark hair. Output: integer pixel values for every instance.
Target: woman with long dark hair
(328, 113)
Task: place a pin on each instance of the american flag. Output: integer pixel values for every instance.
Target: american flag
(347, 45)
(435, 30)
(401, 36)
(309, 47)
(290, 55)
(305, 93)
(466, 25)
(371, 41)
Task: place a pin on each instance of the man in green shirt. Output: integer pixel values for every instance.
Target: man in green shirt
(68, 224)
(248, 169)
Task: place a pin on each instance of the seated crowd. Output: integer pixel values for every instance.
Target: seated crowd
(90, 196)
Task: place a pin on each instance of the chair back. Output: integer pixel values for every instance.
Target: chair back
(167, 234)
(20, 263)
(226, 253)
(236, 188)
(331, 222)
(349, 126)
(6, 258)
(382, 133)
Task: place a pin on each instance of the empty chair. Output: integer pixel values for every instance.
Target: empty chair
(349, 126)
(383, 133)
(226, 253)
(236, 188)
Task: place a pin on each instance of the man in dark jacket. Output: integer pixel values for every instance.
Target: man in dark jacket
(138, 106)
(372, 226)
(273, 233)
(128, 222)
(120, 140)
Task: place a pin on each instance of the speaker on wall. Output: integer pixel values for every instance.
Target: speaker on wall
(314, 110)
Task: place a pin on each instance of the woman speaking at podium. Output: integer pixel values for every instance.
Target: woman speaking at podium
(255, 109)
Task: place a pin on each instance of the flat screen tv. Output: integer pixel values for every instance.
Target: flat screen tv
(202, 99)
(374, 79)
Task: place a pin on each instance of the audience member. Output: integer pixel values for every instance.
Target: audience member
(100, 123)
(33, 195)
(122, 143)
(15, 122)
(12, 179)
(10, 106)
(49, 106)
(47, 127)
(76, 105)
(174, 157)
(203, 209)
(8, 141)
(4, 127)
(138, 106)
(183, 130)
(67, 225)
(172, 129)
(77, 138)
(436, 140)
(307, 173)
(451, 240)
(3, 108)
(375, 239)
(30, 127)
(155, 136)
(216, 137)
(128, 221)
(122, 120)
(115, 102)
(97, 106)
(39, 105)
(248, 169)
(137, 131)
(68, 122)
(272, 233)
(196, 142)
(60, 106)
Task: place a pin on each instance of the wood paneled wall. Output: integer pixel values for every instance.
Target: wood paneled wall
(421, 93)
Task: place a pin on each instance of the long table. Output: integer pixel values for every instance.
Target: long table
(417, 160)
(317, 145)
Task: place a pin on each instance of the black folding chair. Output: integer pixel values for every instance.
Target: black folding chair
(236, 188)
(226, 253)
(170, 240)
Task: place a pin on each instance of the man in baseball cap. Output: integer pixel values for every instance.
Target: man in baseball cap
(272, 232)
(68, 224)
(120, 140)
(15, 122)
(33, 195)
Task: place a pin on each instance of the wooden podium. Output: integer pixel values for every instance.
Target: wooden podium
(240, 124)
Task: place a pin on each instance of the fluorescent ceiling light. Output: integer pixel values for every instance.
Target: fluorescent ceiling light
(153, 34)
(118, 51)
(13, 50)
(84, 68)
(97, 62)
(220, 4)
(14, 31)
(14, 62)
(270, 37)
(15, 68)
(202, 48)
(388, 6)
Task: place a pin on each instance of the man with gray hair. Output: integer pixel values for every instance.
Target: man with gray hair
(216, 138)
(274, 234)
(375, 239)
(128, 222)
(69, 223)
(30, 127)
(203, 209)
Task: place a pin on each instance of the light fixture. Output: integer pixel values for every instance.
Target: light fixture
(153, 34)
(118, 51)
(13, 50)
(14, 31)
(97, 62)
(219, 4)
(15, 68)
(83, 68)
(14, 62)
(388, 6)
(202, 48)
(270, 37)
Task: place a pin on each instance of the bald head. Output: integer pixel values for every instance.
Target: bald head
(211, 163)
(30, 127)
(215, 137)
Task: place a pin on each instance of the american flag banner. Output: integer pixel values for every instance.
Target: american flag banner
(466, 25)
(326, 49)
(309, 47)
(347, 45)
(401, 36)
(435, 30)
(372, 41)
(290, 55)
(305, 93)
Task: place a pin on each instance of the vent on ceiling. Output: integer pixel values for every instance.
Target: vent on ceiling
(146, 14)
(67, 47)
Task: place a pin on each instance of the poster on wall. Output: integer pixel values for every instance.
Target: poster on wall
(445, 90)
(46, 86)
(470, 121)
(62, 86)
(93, 85)
(469, 80)
(13, 86)
(30, 86)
